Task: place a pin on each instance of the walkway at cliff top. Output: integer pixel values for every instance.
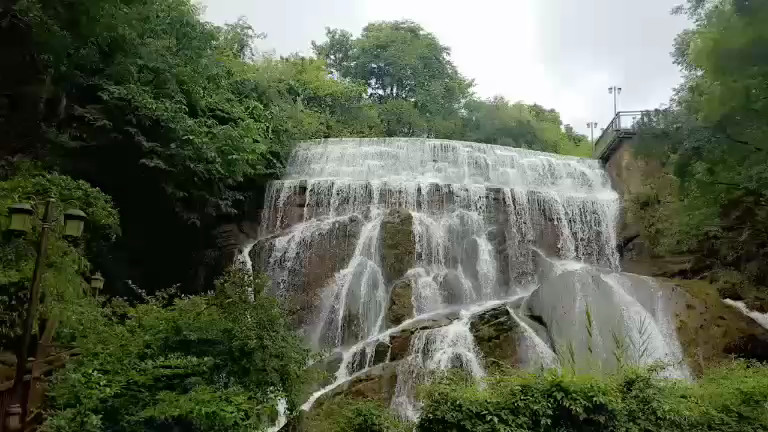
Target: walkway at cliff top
(620, 130)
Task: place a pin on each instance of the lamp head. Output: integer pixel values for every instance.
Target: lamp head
(74, 222)
(21, 217)
(97, 281)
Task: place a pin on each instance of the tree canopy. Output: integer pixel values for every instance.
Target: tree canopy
(713, 141)
(418, 91)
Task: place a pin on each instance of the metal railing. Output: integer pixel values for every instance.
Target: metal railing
(622, 125)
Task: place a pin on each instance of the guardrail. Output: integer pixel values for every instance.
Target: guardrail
(621, 126)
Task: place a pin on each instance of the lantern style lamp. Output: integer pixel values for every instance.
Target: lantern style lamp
(74, 221)
(13, 417)
(21, 217)
(97, 282)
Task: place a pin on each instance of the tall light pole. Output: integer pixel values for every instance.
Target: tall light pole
(615, 91)
(592, 126)
(21, 215)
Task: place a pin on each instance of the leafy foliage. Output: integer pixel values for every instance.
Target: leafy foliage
(712, 143)
(67, 262)
(731, 398)
(497, 121)
(353, 415)
(419, 92)
(179, 120)
(215, 362)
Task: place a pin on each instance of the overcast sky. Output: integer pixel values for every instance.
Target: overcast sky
(562, 54)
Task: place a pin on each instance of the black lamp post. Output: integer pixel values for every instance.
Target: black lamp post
(21, 222)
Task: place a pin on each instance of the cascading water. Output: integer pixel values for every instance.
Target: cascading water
(443, 348)
(488, 224)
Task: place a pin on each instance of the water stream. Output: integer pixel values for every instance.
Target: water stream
(489, 224)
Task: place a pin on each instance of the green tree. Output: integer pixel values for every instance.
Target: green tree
(400, 61)
(176, 118)
(496, 121)
(713, 140)
(575, 144)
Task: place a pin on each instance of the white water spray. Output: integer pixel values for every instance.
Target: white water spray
(481, 217)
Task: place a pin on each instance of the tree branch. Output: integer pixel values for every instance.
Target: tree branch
(723, 131)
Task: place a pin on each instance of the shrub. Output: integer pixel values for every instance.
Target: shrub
(732, 398)
(350, 415)
(213, 362)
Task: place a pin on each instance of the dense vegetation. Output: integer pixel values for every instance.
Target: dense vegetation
(354, 415)
(732, 398)
(66, 267)
(162, 127)
(214, 362)
(712, 147)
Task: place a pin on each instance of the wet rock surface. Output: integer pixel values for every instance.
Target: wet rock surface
(710, 330)
(497, 337)
(300, 270)
(375, 383)
(400, 302)
(398, 250)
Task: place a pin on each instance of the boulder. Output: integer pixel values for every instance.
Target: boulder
(400, 302)
(452, 288)
(591, 314)
(497, 335)
(323, 372)
(398, 249)
(399, 344)
(375, 383)
(710, 330)
(685, 320)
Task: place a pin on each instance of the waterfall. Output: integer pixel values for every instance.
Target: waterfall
(488, 224)
(438, 349)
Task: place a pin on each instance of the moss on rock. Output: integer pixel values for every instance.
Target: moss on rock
(496, 334)
(711, 331)
(400, 302)
(398, 249)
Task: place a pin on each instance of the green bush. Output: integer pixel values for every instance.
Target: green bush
(215, 362)
(732, 398)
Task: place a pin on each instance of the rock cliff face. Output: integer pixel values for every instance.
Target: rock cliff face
(406, 259)
(306, 261)
(709, 329)
(634, 178)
